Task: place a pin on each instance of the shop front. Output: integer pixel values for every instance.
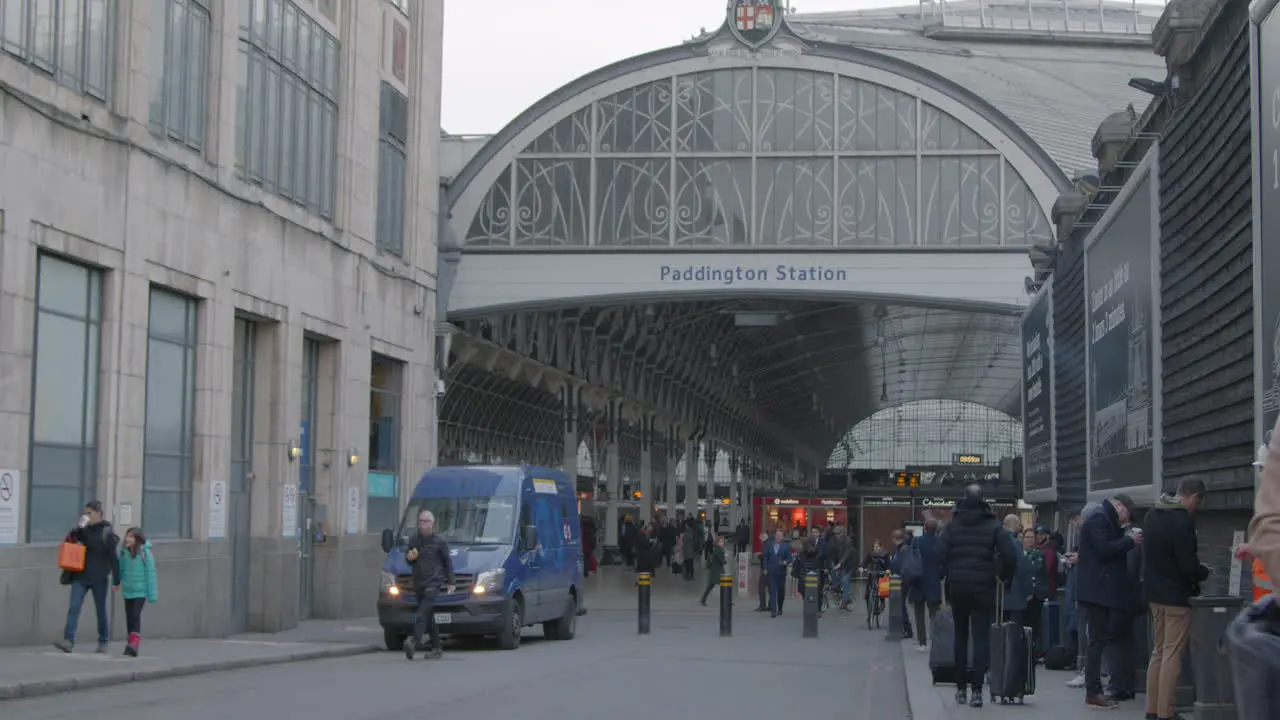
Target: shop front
(875, 517)
(795, 515)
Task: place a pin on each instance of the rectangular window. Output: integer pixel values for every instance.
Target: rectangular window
(384, 442)
(169, 434)
(288, 104)
(310, 410)
(70, 40)
(64, 413)
(179, 68)
(393, 125)
(399, 51)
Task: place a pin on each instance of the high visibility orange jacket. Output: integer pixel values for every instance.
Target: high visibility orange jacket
(1261, 581)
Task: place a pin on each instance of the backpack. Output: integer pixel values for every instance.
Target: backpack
(912, 565)
(1057, 657)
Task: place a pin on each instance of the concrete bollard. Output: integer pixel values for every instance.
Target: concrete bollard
(896, 607)
(810, 626)
(643, 582)
(726, 605)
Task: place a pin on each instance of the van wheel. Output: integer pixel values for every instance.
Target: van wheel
(509, 636)
(565, 626)
(393, 639)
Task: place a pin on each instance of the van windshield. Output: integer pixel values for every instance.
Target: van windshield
(464, 520)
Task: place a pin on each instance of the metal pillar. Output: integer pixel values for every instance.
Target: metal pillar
(735, 495)
(613, 462)
(646, 471)
(673, 459)
(570, 397)
(691, 477)
(712, 501)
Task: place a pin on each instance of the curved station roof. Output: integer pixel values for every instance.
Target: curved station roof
(918, 131)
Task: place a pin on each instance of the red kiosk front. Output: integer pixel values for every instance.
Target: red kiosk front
(795, 515)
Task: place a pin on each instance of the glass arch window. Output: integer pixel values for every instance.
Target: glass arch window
(928, 432)
(759, 156)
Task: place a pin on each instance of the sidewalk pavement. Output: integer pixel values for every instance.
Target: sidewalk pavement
(34, 671)
(1053, 699)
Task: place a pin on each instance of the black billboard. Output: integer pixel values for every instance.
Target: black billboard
(1037, 394)
(1121, 336)
(1266, 233)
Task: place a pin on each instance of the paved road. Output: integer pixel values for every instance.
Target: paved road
(759, 672)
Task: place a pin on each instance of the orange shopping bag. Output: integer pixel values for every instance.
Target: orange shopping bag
(883, 589)
(71, 557)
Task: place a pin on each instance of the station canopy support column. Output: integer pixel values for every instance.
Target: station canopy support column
(673, 462)
(734, 493)
(712, 456)
(613, 473)
(570, 399)
(691, 477)
(646, 471)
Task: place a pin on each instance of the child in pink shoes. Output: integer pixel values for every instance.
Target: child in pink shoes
(137, 584)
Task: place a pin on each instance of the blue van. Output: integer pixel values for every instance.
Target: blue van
(515, 541)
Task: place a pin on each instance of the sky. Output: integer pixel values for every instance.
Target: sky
(501, 56)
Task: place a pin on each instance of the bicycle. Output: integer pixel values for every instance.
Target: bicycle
(875, 603)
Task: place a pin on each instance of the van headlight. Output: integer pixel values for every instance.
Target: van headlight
(489, 582)
(387, 584)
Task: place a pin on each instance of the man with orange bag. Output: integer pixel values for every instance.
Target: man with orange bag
(101, 565)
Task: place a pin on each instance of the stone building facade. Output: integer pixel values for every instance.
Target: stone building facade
(218, 232)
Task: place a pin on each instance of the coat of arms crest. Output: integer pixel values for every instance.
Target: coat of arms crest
(755, 22)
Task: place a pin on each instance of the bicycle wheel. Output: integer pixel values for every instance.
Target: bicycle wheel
(871, 610)
(879, 609)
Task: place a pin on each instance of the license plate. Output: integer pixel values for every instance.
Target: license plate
(443, 618)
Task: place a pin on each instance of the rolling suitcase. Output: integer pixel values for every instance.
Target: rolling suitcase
(1012, 673)
(942, 643)
(942, 634)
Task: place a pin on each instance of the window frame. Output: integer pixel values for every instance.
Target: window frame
(90, 401)
(392, 389)
(288, 105)
(393, 165)
(91, 71)
(186, 453)
(180, 113)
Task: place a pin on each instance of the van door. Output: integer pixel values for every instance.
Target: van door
(553, 581)
(531, 562)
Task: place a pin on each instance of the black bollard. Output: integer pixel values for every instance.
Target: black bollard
(896, 608)
(726, 605)
(810, 627)
(643, 581)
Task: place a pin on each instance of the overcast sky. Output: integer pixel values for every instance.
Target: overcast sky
(501, 56)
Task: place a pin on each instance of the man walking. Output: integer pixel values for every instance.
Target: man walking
(777, 556)
(1171, 575)
(1104, 590)
(715, 568)
(428, 555)
(926, 591)
(974, 553)
(101, 565)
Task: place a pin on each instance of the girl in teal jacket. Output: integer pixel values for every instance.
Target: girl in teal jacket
(137, 584)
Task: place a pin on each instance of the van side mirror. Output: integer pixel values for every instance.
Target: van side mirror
(388, 541)
(529, 538)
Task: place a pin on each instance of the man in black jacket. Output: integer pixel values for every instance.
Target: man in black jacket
(428, 555)
(1104, 590)
(101, 565)
(973, 551)
(1171, 575)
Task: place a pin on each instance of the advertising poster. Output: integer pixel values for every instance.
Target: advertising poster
(1037, 395)
(1120, 335)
